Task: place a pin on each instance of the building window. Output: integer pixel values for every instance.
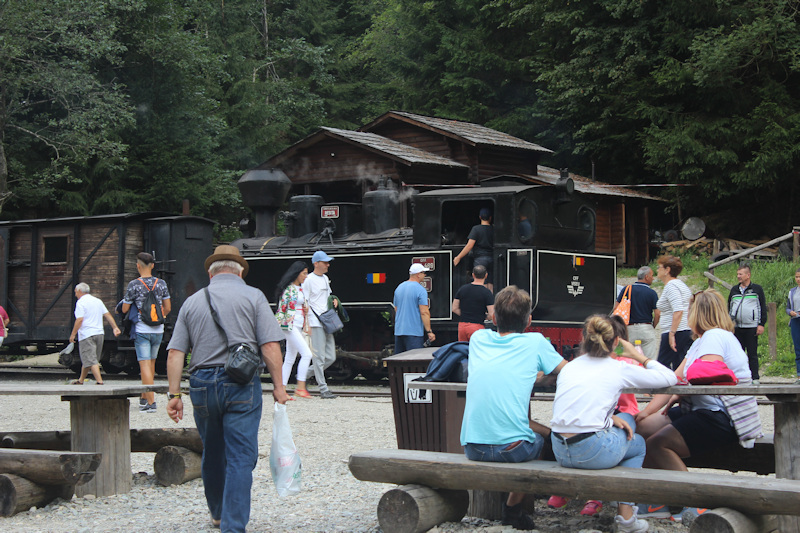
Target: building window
(56, 249)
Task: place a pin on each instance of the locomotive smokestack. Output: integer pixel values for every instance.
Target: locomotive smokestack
(264, 192)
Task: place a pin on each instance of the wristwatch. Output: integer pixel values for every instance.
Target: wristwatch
(171, 396)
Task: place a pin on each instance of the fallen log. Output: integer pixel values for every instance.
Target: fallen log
(50, 467)
(18, 494)
(416, 508)
(724, 520)
(142, 440)
(174, 465)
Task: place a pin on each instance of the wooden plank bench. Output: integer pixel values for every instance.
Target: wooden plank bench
(750, 496)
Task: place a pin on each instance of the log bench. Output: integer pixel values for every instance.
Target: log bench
(433, 487)
(142, 440)
(37, 477)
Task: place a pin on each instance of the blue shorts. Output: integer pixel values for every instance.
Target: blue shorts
(147, 345)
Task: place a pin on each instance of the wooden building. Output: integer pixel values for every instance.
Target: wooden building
(417, 153)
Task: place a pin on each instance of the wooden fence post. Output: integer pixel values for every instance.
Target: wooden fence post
(795, 243)
(772, 330)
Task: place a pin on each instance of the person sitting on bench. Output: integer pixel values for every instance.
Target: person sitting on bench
(585, 432)
(701, 424)
(503, 367)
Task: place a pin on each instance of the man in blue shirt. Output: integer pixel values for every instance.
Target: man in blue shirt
(503, 367)
(412, 318)
(644, 313)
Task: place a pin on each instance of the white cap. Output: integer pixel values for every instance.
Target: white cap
(416, 268)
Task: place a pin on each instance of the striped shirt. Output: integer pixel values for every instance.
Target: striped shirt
(675, 297)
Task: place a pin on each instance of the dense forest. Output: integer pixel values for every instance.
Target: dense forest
(128, 105)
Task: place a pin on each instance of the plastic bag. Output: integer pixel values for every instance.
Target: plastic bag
(284, 461)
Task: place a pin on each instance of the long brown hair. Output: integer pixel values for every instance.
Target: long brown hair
(708, 311)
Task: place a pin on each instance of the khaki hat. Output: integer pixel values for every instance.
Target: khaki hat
(226, 252)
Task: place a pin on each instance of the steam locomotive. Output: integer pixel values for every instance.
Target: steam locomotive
(543, 242)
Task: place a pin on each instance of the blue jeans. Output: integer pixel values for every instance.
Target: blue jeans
(147, 345)
(794, 327)
(499, 453)
(604, 449)
(404, 343)
(227, 416)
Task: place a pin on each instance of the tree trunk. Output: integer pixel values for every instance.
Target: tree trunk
(142, 440)
(50, 467)
(174, 465)
(19, 494)
(414, 508)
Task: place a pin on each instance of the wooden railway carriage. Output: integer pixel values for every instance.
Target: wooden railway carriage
(372, 254)
(43, 260)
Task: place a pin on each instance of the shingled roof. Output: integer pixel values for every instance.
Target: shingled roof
(372, 142)
(466, 132)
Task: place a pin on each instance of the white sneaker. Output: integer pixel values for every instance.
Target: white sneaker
(631, 525)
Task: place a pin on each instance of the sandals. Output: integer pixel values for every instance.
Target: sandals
(76, 382)
(303, 393)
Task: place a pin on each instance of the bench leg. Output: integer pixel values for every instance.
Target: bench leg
(103, 426)
(787, 465)
(416, 508)
(724, 520)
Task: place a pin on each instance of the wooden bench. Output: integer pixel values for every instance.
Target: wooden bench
(420, 503)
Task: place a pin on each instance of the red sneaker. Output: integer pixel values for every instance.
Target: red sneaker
(557, 502)
(592, 508)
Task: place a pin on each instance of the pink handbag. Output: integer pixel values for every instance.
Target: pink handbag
(710, 373)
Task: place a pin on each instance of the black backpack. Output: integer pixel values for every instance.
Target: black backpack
(151, 313)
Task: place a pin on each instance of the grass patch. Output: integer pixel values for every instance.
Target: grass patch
(775, 277)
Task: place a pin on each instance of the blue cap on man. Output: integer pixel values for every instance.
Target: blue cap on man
(319, 255)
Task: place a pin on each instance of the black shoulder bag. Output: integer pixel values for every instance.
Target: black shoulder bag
(242, 363)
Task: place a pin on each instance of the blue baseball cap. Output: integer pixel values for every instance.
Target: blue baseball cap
(485, 213)
(319, 255)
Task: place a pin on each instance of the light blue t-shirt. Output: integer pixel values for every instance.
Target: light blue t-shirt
(502, 371)
(408, 296)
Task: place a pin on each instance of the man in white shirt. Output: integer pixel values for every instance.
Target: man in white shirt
(317, 290)
(89, 313)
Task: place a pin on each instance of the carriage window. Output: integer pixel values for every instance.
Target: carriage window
(526, 220)
(55, 249)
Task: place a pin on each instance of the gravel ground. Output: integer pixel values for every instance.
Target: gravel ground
(326, 432)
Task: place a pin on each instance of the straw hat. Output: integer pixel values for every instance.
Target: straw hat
(226, 252)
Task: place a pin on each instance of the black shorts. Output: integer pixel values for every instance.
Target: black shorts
(703, 431)
(670, 359)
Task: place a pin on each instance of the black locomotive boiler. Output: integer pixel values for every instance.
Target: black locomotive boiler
(551, 255)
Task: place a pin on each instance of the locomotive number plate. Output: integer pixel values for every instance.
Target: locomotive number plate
(428, 262)
(329, 211)
(427, 283)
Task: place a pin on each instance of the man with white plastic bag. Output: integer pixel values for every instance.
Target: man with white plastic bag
(227, 414)
(284, 461)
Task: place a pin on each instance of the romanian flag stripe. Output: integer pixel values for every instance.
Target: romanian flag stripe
(578, 261)
(376, 277)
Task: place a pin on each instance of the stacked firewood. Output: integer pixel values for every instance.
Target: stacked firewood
(711, 247)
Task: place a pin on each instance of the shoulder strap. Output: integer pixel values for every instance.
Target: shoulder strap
(627, 292)
(145, 284)
(215, 317)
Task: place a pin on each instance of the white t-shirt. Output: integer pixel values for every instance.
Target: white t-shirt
(717, 342)
(316, 290)
(588, 389)
(299, 316)
(91, 309)
(675, 297)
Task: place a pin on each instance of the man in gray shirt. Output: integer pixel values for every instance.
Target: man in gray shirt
(227, 414)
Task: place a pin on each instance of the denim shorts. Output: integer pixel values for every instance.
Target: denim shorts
(147, 345)
(500, 453)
